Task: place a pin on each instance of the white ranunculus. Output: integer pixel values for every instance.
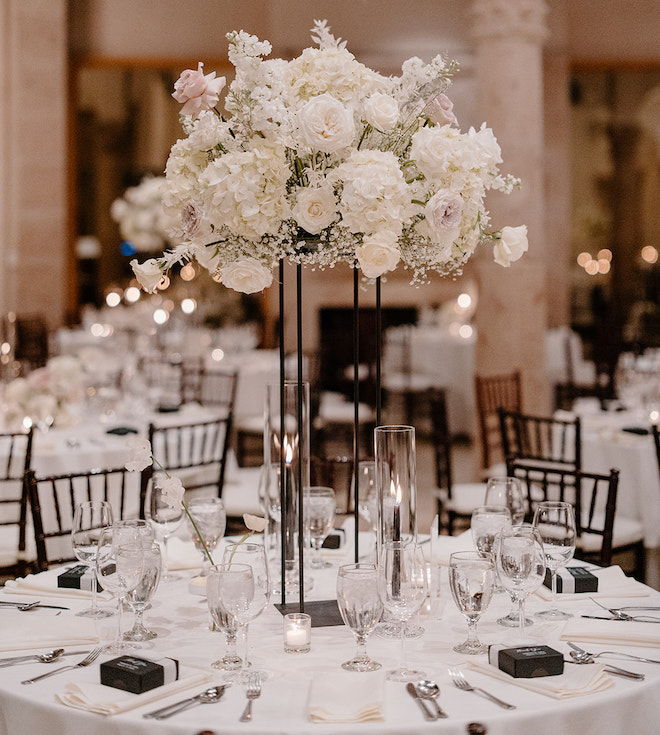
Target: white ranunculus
(172, 490)
(381, 111)
(149, 274)
(316, 208)
(378, 254)
(247, 276)
(511, 245)
(325, 124)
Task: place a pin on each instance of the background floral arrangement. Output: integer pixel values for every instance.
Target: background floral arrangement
(322, 160)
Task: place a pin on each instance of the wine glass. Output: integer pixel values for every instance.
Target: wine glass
(555, 521)
(119, 570)
(471, 579)
(165, 520)
(319, 513)
(139, 598)
(520, 564)
(89, 518)
(243, 591)
(210, 521)
(361, 607)
(506, 491)
(222, 620)
(367, 497)
(486, 522)
(402, 588)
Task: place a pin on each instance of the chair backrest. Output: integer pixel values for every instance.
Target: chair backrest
(541, 438)
(493, 392)
(656, 439)
(164, 378)
(209, 387)
(15, 459)
(53, 500)
(441, 439)
(592, 495)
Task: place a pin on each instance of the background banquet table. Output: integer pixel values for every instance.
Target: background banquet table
(182, 622)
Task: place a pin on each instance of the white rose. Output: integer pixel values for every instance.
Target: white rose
(325, 124)
(246, 276)
(381, 111)
(149, 274)
(511, 245)
(378, 254)
(315, 209)
(443, 213)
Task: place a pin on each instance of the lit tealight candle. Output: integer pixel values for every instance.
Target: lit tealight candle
(297, 633)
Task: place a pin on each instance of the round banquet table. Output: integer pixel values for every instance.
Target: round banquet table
(182, 622)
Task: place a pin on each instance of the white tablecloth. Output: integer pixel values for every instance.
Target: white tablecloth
(181, 621)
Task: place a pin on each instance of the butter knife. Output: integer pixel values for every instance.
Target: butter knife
(410, 688)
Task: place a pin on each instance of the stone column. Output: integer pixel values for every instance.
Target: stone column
(512, 315)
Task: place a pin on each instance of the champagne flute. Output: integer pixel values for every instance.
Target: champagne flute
(139, 598)
(361, 607)
(89, 518)
(119, 570)
(210, 521)
(319, 512)
(506, 491)
(471, 579)
(402, 587)
(222, 620)
(520, 564)
(165, 521)
(555, 521)
(368, 498)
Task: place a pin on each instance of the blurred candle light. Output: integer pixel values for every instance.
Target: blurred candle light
(649, 254)
(132, 294)
(161, 316)
(188, 306)
(113, 299)
(187, 273)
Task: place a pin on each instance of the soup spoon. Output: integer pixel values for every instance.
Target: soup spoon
(430, 690)
(44, 658)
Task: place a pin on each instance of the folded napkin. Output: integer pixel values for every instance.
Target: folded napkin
(343, 697)
(612, 632)
(105, 700)
(612, 582)
(44, 584)
(442, 547)
(181, 554)
(576, 681)
(21, 631)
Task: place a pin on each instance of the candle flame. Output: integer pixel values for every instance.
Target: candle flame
(395, 492)
(288, 451)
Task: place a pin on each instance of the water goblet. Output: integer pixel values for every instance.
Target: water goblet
(471, 579)
(89, 518)
(402, 585)
(119, 570)
(210, 521)
(319, 505)
(222, 620)
(165, 520)
(506, 491)
(361, 607)
(139, 597)
(555, 521)
(486, 522)
(520, 564)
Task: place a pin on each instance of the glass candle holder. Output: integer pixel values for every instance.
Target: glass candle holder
(297, 633)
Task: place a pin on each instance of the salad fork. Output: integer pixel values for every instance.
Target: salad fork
(460, 682)
(89, 658)
(252, 692)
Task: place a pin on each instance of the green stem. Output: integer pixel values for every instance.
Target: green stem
(236, 545)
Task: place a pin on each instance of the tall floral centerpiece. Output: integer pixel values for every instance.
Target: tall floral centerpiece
(322, 160)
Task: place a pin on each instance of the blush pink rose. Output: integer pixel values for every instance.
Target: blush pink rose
(197, 91)
(440, 110)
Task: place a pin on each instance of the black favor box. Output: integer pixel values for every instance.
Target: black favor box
(526, 662)
(80, 577)
(138, 675)
(572, 579)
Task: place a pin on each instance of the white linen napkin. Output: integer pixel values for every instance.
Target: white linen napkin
(612, 632)
(21, 631)
(105, 700)
(612, 582)
(181, 555)
(44, 584)
(343, 697)
(442, 547)
(576, 681)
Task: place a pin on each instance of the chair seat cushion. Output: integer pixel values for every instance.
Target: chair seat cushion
(627, 531)
(465, 497)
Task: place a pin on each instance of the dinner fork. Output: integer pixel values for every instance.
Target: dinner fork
(89, 658)
(460, 682)
(252, 691)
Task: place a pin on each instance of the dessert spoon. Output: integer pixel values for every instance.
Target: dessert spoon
(430, 690)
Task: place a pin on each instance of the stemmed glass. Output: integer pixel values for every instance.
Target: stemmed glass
(139, 598)
(520, 563)
(506, 491)
(89, 518)
(243, 591)
(119, 570)
(486, 522)
(402, 587)
(555, 521)
(165, 520)
(222, 620)
(367, 497)
(361, 607)
(319, 513)
(211, 520)
(471, 579)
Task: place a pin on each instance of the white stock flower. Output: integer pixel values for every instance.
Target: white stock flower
(246, 275)
(381, 111)
(378, 254)
(326, 125)
(315, 209)
(140, 454)
(149, 274)
(172, 490)
(511, 245)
